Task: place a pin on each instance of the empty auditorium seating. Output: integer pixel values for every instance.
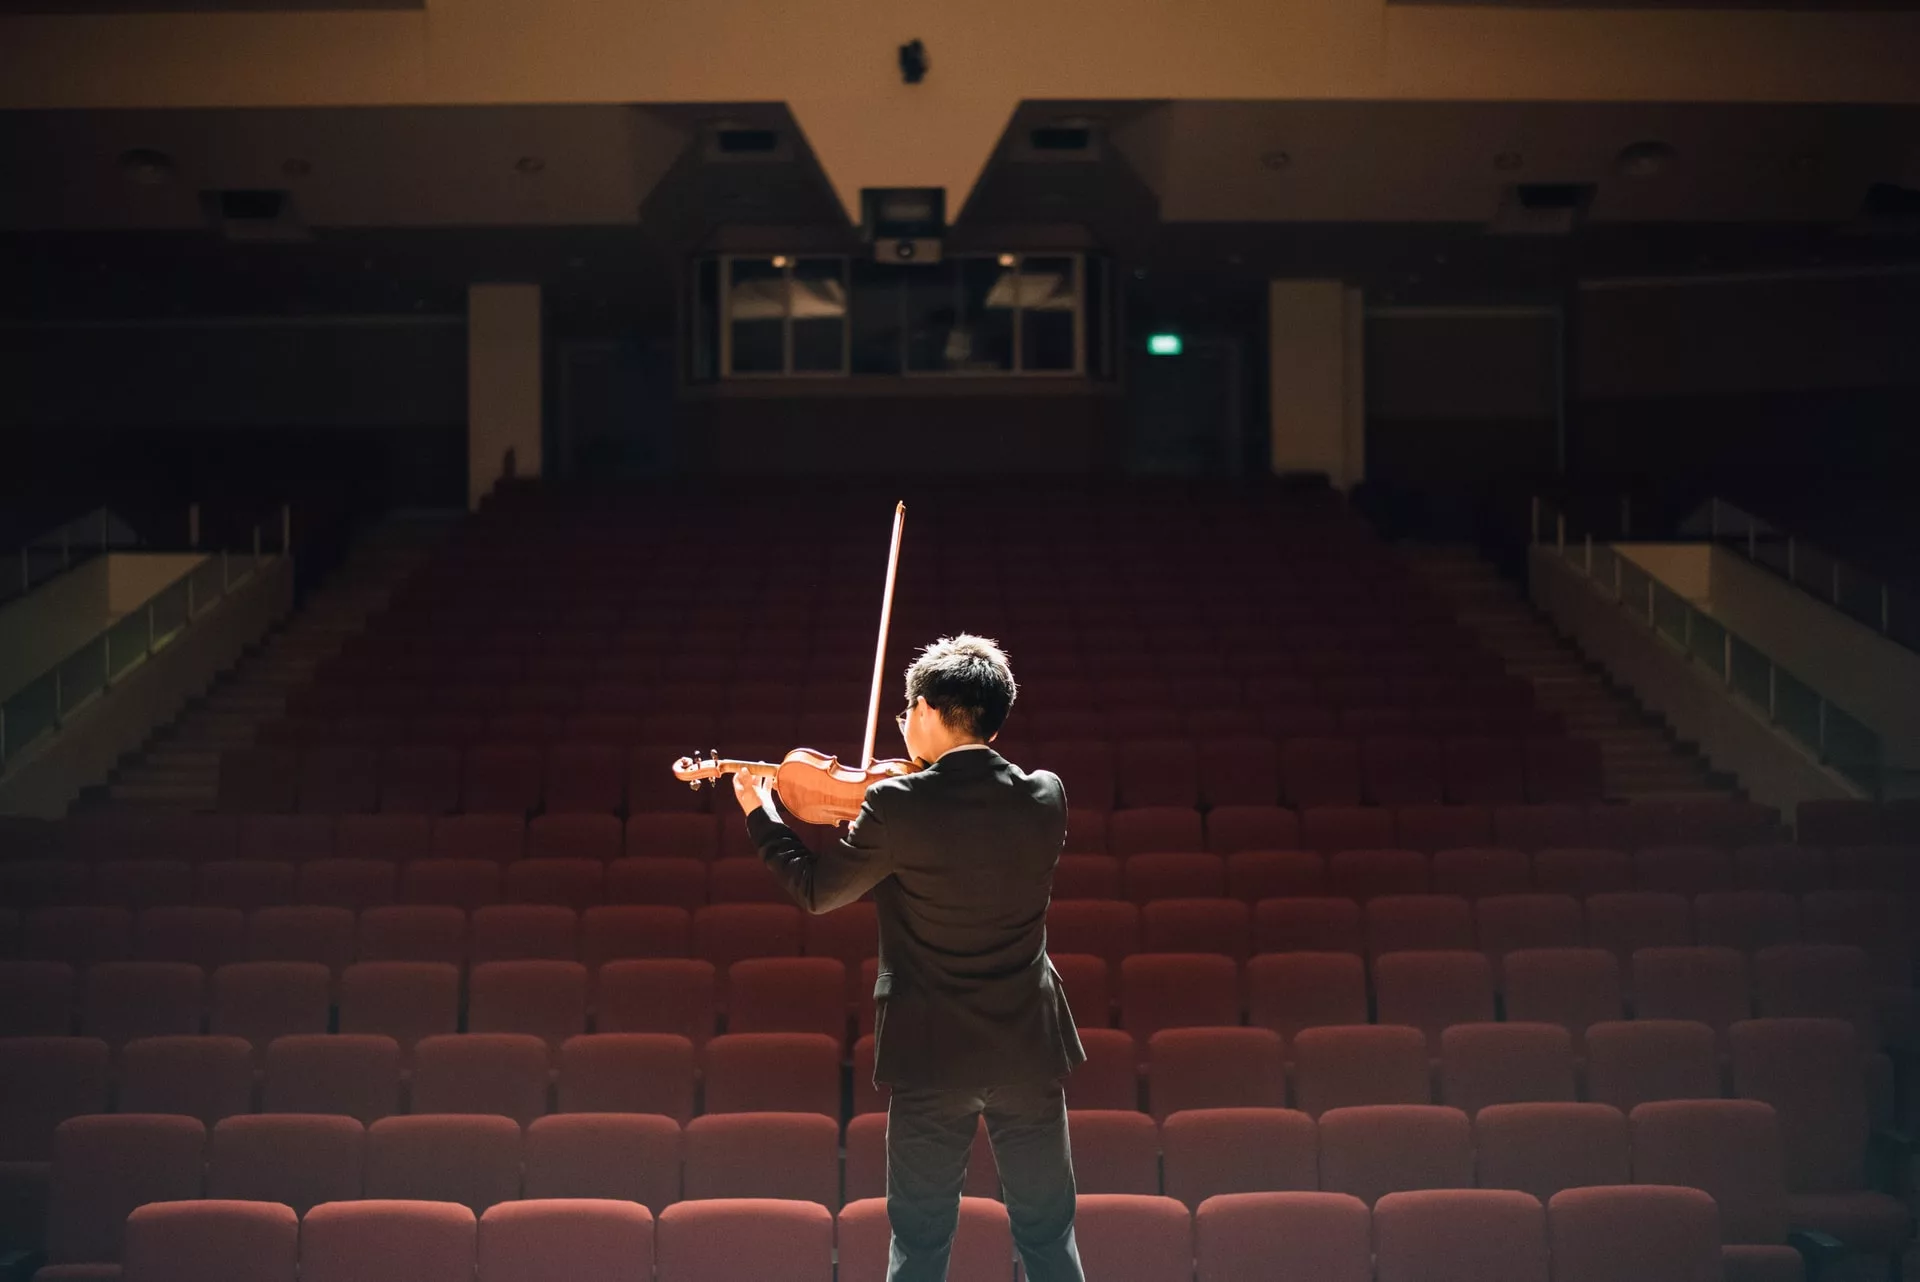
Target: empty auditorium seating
(355, 1075)
(1431, 990)
(1729, 1149)
(1287, 992)
(1114, 1152)
(656, 995)
(406, 1001)
(1177, 990)
(207, 1078)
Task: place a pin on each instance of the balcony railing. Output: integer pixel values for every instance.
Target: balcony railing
(1785, 701)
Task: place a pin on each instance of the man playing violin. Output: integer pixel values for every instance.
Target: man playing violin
(971, 1018)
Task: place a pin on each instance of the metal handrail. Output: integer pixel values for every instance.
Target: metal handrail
(1868, 599)
(1791, 706)
(44, 705)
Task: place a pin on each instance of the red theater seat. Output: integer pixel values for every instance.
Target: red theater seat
(1242, 826)
(1149, 877)
(233, 1241)
(471, 1160)
(773, 1073)
(355, 1076)
(1253, 875)
(982, 1245)
(565, 1239)
(1542, 1148)
(1308, 924)
(1284, 1237)
(656, 995)
(1630, 1062)
(1115, 1152)
(1197, 926)
(301, 1161)
(1433, 990)
(1339, 1067)
(406, 1001)
(1134, 1238)
(1154, 829)
(387, 1240)
(1215, 1068)
(1209, 1152)
(201, 1077)
(744, 1240)
(104, 1167)
(1288, 992)
(1641, 1233)
(622, 1157)
(1460, 1235)
(604, 1073)
(1177, 990)
(1511, 1063)
(766, 1154)
(1393, 1148)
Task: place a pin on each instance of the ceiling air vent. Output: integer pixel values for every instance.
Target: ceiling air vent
(1064, 140)
(1541, 209)
(745, 144)
(253, 213)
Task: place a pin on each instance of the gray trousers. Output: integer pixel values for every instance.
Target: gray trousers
(929, 1137)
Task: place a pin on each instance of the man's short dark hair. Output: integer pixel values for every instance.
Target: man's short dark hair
(967, 680)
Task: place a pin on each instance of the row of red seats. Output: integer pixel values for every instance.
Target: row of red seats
(1099, 775)
(1647, 1233)
(621, 716)
(1619, 923)
(1748, 1153)
(447, 929)
(1837, 822)
(1307, 772)
(1759, 862)
(1427, 992)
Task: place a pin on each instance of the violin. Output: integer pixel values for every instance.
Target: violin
(815, 786)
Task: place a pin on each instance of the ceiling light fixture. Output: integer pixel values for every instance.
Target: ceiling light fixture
(147, 167)
(1008, 260)
(1644, 159)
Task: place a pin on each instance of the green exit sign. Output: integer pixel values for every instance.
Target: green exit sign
(1163, 344)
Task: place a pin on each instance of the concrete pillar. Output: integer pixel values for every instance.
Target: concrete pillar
(1316, 368)
(503, 384)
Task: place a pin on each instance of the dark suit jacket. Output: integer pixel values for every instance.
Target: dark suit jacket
(960, 859)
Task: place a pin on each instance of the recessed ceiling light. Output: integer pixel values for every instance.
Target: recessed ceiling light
(1644, 159)
(779, 260)
(1008, 260)
(147, 167)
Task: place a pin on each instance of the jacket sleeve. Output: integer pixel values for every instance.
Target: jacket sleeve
(823, 881)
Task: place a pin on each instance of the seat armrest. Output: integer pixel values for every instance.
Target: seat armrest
(1817, 1250)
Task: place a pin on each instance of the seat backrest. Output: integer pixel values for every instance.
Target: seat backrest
(1284, 1237)
(565, 1238)
(1634, 1233)
(1460, 1235)
(235, 1241)
(982, 1243)
(1573, 987)
(1115, 1151)
(1432, 990)
(1729, 1148)
(355, 1075)
(1210, 1151)
(1630, 1062)
(106, 1165)
(1373, 1150)
(1339, 1067)
(628, 1073)
(764, 1155)
(472, 1160)
(1510, 1063)
(772, 1073)
(43, 1082)
(299, 1160)
(1709, 985)
(628, 1157)
(1810, 1071)
(1215, 1068)
(1288, 992)
(203, 1077)
(1134, 1238)
(387, 1240)
(1176, 990)
(406, 1001)
(503, 1074)
(744, 1240)
(1543, 1148)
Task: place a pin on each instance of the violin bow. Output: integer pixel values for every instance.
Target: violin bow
(880, 646)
